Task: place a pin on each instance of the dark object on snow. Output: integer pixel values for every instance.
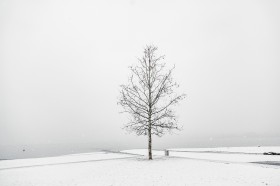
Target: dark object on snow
(276, 163)
(271, 153)
(166, 152)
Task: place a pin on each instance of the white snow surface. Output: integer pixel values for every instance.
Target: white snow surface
(228, 154)
(259, 149)
(105, 168)
(65, 159)
(218, 154)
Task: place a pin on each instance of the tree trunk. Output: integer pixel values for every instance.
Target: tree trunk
(150, 145)
(150, 110)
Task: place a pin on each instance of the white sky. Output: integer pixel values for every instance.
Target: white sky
(61, 64)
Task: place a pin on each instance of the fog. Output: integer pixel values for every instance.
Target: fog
(61, 64)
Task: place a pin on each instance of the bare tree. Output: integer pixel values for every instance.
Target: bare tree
(149, 97)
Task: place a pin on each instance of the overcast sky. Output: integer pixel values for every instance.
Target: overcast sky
(62, 61)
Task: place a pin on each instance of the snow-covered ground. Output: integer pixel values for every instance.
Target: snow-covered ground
(224, 154)
(227, 157)
(105, 168)
(253, 150)
(65, 159)
(229, 154)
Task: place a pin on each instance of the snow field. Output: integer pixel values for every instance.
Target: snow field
(106, 169)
